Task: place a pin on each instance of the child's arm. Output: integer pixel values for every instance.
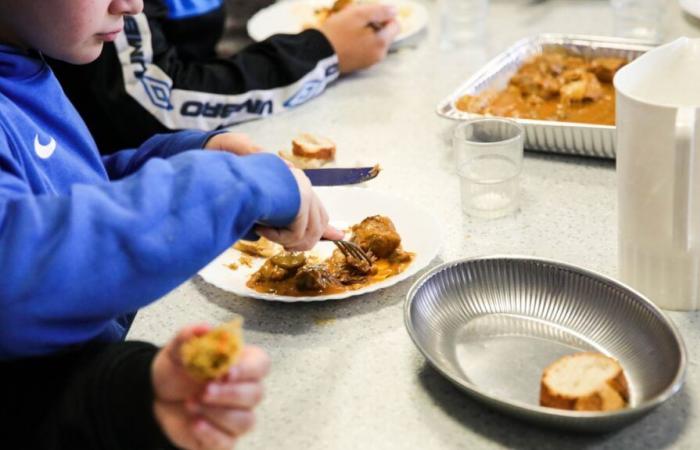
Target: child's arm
(125, 162)
(71, 263)
(195, 414)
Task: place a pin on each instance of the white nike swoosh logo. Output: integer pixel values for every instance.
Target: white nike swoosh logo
(44, 151)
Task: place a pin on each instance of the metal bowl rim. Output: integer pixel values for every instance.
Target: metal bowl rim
(655, 401)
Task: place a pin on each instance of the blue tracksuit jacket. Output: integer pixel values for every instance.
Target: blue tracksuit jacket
(87, 240)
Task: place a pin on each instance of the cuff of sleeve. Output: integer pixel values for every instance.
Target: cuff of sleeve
(193, 139)
(168, 145)
(317, 43)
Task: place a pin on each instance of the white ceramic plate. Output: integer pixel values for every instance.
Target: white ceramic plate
(293, 16)
(346, 206)
(692, 7)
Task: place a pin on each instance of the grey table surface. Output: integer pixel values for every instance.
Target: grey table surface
(345, 373)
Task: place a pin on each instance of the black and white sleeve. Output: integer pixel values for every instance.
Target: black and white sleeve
(141, 85)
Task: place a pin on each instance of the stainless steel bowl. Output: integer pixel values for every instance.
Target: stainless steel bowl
(492, 324)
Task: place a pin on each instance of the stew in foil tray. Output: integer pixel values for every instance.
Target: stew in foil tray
(554, 86)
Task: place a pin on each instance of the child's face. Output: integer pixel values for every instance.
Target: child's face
(70, 30)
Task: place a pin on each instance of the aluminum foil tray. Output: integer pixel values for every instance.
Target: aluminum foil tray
(491, 325)
(545, 135)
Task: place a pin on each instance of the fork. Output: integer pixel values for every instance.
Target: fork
(350, 249)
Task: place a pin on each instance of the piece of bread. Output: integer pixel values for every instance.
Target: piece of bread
(211, 355)
(308, 145)
(586, 381)
(303, 163)
(262, 247)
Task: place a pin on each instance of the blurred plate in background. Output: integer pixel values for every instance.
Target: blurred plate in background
(295, 16)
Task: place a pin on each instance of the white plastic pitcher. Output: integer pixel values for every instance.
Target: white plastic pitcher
(658, 174)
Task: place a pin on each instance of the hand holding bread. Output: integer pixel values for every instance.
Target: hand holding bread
(197, 412)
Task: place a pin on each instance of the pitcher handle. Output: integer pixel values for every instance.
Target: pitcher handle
(683, 177)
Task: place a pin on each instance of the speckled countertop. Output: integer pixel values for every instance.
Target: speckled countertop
(345, 373)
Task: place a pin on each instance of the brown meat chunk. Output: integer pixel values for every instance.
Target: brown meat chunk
(534, 82)
(587, 88)
(378, 235)
(400, 256)
(572, 75)
(553, 63)
(345, 272)
(313, 277)
(606, 68)
(360, 265)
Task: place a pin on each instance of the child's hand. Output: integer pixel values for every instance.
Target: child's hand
(310, 224)
(237, 143)
(198, 415)
(352, 34)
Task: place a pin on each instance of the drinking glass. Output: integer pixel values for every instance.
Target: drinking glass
(640, 19)
(489, 156)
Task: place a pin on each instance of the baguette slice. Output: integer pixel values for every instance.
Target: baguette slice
(308, 145)
(301, 162)
(587, 381)
(210, 356)
(262, 247)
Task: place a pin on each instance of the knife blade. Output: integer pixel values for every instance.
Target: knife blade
(338, 176)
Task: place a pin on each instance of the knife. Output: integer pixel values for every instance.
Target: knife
(341, 176)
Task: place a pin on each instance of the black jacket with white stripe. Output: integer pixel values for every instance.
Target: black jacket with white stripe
(162, 74)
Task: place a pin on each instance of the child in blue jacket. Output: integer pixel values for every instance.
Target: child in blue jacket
(85, 241)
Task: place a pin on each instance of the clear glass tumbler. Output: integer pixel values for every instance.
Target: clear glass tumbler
(462, 22)
(640, 19)
(489, 156)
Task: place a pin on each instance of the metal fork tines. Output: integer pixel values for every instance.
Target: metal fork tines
(350, 249)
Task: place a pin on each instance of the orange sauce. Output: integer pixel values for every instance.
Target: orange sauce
(384, 268)
(508, 104)
(543, 88)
